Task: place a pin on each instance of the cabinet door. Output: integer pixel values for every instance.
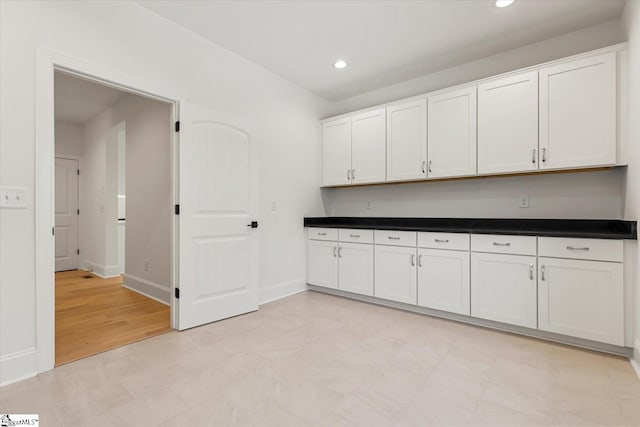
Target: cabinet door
(336, 152)
(508, 124)
(578, 113)
(322, 263)
(395, 273)
(369, 147)
(451, 130)
(443, 280)
(503, 288)
(355, 268)
(407, 141)
(582, 299)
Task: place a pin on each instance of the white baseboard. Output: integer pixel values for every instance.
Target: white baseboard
(147, 288)
(282, 290)
(635, 359)
(102, 271)
(18, 366)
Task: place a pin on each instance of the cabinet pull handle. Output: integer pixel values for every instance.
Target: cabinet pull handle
(441, 240)
(413, 259)
(393, 238)
(572, 248)
(531, 271)
(544, 155)
(354, 235)
(348, 174)
(533, 156)
(334, 251)
(424, 164)
(420, 260)
(353, 174)
(501, 244)
(430, 164)
(322, 234)
(542, 273)
(340, 252)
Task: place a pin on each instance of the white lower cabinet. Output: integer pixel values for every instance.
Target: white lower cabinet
(395, 273)
(443, 280)
(355, 268)
(322, 263)
(582, 299)
(503, 288)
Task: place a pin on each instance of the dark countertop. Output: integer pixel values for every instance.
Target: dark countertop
(586, 228)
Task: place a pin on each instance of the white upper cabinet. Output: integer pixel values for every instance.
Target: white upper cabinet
(407, 140)
(452, 133)
(368, 149)
(508, 124)
(336, 152)
(578, 113)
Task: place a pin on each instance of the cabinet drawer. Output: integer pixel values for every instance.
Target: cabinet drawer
(323, 233)
(455, 241)
(355, 235)
(521, 245)
(574, 248)
(395, 238)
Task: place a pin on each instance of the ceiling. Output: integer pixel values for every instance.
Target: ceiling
(78, 100)
(384, 41)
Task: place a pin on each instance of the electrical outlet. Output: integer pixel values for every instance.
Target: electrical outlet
(524, 201)
(369, 204)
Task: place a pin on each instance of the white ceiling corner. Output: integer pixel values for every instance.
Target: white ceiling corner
(385, 41)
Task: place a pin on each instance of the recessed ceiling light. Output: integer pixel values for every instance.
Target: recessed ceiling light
(340, 64)
(504, 3)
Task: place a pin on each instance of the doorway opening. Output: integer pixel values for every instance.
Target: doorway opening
(113, 217)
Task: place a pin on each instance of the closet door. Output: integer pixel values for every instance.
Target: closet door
(368, 147)
(508, 124)
(336, 152)
(578, 113)
(451, 132)
(407, 140)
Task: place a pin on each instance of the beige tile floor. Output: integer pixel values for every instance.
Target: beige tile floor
(318, 360)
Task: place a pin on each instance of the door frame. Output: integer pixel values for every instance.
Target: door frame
(47, 62)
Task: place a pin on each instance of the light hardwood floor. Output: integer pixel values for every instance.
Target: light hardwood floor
(94, 315)
(319, 360)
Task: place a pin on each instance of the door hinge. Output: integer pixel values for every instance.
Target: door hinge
(177, 293)
(77, 251)
(176, 209)
(178, 126)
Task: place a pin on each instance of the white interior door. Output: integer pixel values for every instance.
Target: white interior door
(66, 232)
(218, 267)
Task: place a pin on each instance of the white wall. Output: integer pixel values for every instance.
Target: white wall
(579, 195)
(632, 208)
(148, 189)
(149, 48)
(590, 38)
(69, 138)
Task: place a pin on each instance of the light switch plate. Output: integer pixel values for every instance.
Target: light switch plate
(13, 198)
